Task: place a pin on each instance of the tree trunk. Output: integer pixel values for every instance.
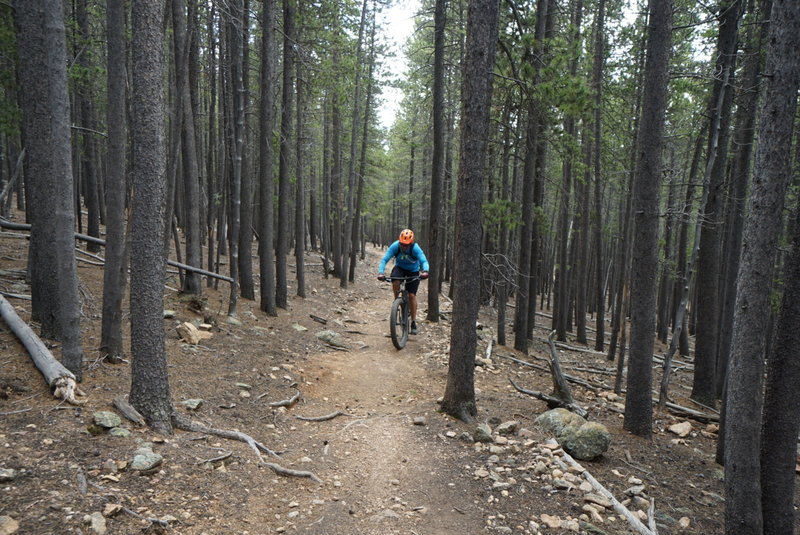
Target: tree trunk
(743, 512)
(266, 161)
(782, 406)
(42, 71)
(149, 392)
(299, 196)
(284, 186)
(115, 273)
(638, 404)
(191, 170)
(597, 81)
(435, 232)
(459, 396)
(246, 283)
(708, 260)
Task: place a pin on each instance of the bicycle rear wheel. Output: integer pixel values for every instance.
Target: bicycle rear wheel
(398, 323)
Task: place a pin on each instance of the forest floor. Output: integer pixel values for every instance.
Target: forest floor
(390, 464)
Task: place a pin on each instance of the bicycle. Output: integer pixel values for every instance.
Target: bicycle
(400, 316)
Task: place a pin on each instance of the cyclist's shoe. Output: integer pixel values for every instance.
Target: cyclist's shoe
(413, 327)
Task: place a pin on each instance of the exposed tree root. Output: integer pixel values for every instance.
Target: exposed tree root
(281, 471)
(286, 402)
(185, 424)
(327, 417)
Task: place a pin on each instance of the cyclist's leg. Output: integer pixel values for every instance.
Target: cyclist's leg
(397, 272)
(412, 302)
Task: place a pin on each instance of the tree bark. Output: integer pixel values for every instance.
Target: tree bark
(265, 175)
(42, 72)
(638, 404)
(743, 497)
(284, 186)
(115, 273)
(459, 396)
(149, 393)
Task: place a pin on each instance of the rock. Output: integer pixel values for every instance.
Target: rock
(119, 432)
(145, 460)
(8, 525)
(684, 522)
(636, 490)
(107, 419)
(191, 334)
(111, 509)
(192, 404)
(556, 420)
(586, 442)
(169, 314)
(98, 523)
(230, 320)
(682, 429)
(550, 521)
(481, 473)
(7, 474)
(466, 437)
(331, 337)
(507, 428)
(598, 500)
(420, 420)
(299, 328)
(482, 433)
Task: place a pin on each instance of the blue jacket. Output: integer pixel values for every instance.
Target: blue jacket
(410, 260)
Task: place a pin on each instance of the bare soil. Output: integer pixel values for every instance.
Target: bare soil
(381, 473)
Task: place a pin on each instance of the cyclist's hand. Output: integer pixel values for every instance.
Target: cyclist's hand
(423, 274)
(381, 277)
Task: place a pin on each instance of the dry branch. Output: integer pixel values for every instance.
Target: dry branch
(62, 381)
(281, 471)
(286, 402)
(635, 523)
(325, 418)
(552, 401)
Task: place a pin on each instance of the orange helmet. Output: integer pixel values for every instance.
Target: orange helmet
(407, 236)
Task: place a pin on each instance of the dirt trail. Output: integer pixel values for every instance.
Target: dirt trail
(389, 475)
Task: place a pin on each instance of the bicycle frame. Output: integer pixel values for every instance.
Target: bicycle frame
(399, 319)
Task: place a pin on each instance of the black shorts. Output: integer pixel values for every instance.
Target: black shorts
(411, 286)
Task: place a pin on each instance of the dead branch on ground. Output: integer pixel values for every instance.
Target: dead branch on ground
(286, 402)
(635, 523)
(62, 381)
(325, 418)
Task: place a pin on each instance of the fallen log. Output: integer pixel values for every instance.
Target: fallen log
(62, 382)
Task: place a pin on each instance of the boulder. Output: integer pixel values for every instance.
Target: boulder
(582, 439)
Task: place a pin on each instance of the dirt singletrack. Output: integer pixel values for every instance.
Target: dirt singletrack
(391, 463)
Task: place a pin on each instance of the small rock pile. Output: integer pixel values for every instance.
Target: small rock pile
(518, 465)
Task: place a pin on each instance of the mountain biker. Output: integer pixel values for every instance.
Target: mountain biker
(408, 259)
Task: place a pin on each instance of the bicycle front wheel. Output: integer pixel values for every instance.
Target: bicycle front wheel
(398, 323)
